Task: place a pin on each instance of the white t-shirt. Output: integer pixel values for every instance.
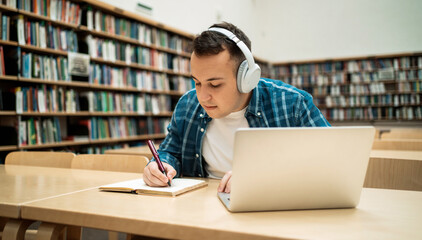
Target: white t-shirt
(217, 148)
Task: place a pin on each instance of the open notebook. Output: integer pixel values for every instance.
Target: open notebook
(138, 186)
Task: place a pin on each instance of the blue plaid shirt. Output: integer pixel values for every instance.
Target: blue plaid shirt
(273, 104)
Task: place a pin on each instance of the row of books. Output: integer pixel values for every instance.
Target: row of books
(58, 10)
(319, 80)
(44, 67)
(56, 69)
(36, 131)
(9, 3)
(348, 66)
(57, 99)
(112, 50)
(356, 101)
(113, 127)
(139, 79)
(5, 30)
(343, 78)
(45, 35)
(99, 21)
(317, 68)
(359, 89)
(407, 87)
(377, 113)
(39, 131)
(388, 63)
(127, 77)
(181, 84)
(340, 78)
(368, 77)
(46, 99)
(116, 102)
(409, 75)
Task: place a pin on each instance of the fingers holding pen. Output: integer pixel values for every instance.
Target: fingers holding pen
(154, 177)
(171, 172)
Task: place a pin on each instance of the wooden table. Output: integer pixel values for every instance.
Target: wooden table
(398, 144)
(393, 169)
(143, 151)
(397, 154)
(23, 184)
(381, 214)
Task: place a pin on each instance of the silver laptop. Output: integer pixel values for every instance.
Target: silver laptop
(298, 168)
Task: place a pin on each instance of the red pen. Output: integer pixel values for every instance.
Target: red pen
(157, 159)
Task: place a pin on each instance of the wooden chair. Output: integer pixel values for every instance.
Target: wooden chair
(41, 159)
(110, 162)
(44, 159)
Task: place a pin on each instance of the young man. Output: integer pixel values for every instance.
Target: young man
(228, 95)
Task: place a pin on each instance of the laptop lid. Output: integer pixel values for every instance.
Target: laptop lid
(299, 168)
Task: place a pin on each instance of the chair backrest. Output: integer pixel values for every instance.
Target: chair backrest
(41, 159)
(110, 162)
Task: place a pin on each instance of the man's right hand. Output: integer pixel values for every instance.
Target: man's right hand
(155, 178)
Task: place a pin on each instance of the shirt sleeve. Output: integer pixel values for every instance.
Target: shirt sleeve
(170, 150)
(309, 115)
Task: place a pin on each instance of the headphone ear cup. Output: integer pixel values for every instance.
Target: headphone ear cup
(241, 75)
(252, 78)
(247, 79)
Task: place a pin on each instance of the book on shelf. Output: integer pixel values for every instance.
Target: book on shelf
(41, 34)
(113, 50)
(45, 67)
(178, 186)
(373, 113)
(2, 64)
(45, 98)
(181, 84)
(21, 30)
(39, 131)
(386, 74)
(145, 34)
(113, 127)
(10, 3)
(142, 125)
(7, 33)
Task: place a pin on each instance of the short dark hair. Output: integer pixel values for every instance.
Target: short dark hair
(212, 43)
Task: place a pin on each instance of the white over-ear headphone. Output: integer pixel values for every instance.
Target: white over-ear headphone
(249, 72)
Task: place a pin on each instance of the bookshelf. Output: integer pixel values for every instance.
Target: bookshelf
(266, 67)
(374, 89)
(52, 98)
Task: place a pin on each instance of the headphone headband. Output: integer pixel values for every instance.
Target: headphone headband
(242, 46)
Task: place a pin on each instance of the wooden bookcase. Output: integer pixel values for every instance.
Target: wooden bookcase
(367, 89)
(266, 67)
(137, 72)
